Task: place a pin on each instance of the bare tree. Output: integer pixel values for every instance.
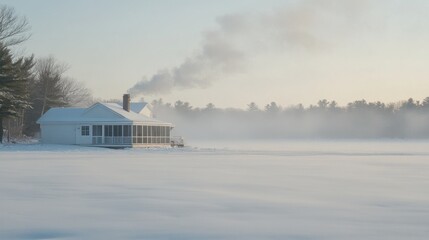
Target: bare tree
(48, 87)
(57, 90)
(75, 93)
(14, 29)
(51, 88)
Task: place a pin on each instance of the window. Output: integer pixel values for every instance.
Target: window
(117, 130)
(134, 130)
(127, 131)
(144, 134)
(145, 131)
(85, 130)
(97, 130)
(139, 131)
(163, 131)
(97, 133)
(153, 131)
(134, 134)
(108, 130)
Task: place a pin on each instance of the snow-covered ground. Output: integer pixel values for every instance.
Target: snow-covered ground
(217, 190)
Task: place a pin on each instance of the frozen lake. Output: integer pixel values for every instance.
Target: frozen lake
(217, 190)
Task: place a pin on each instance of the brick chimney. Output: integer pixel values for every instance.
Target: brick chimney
(126, 102)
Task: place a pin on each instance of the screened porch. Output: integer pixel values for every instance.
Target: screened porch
(130, 135)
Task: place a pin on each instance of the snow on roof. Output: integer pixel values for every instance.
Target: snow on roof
(138, 106)
(62, 114)
(129, 115)
(70, 114)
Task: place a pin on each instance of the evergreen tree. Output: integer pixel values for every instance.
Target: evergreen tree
(252, 107)
(272, 108)
(14, 78)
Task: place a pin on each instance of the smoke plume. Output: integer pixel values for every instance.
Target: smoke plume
(309, 25)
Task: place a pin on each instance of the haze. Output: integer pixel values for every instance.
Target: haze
(232, 53)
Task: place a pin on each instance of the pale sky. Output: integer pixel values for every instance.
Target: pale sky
(290, 52)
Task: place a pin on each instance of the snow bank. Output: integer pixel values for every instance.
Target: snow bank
(296, 191)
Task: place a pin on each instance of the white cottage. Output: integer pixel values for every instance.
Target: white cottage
(105, 124)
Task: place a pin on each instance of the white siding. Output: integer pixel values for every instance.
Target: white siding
(146, 112)
(58, 133)
(83, 140)
(100, 111)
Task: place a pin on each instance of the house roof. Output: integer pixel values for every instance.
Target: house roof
(133, 116)
(62, 114)
(137, 107)
(115, 113)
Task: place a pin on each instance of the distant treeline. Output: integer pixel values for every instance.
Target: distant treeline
(326, 119)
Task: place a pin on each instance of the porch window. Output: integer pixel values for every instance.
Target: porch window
(134, 134)
(127, 134)
(117, 130)
(108, 134)
(119, 134)
(148, 135)
(97, 130)
(127, 130)
(97, 134)
(108, 130)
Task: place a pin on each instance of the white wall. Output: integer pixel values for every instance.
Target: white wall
(58, 133)
(83, 140)
(100, 111)
(146, 112)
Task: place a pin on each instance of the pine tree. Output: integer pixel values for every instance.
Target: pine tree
(14, 78)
